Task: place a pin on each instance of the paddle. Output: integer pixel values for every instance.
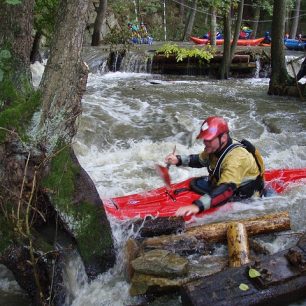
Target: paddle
(163, 171)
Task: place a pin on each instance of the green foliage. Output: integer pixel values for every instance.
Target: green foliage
(18, 116)
(6, 234)
(265, 5)
(13, 2)
(18, 99)
(204, 53)
(253, 273)
(45, 16)
(244, 287)
(4, 56)
(151, 7)
(116, 36)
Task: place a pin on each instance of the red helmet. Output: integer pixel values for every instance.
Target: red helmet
(213, 127)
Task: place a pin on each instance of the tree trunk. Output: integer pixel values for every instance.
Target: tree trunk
(213, 25)
(182, 9)
(65, 76)
(237, 29)
(295, 20)
(279, 75)
(191, 19)
(101, 11)
(225, 64)
(24, 167)
(256, 19)
(15, 31)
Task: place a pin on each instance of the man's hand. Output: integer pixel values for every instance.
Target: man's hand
(171, 159)
(187, 210)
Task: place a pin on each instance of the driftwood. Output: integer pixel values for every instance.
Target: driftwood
(281, 279)
(216, 232)
(238, 245)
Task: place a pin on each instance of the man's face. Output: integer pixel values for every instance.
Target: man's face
(215, 144)
(211, 146)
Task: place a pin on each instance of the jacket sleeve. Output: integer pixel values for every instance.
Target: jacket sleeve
(219, 196)
(193, 160)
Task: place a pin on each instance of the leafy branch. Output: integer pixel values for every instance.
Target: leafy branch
(206, 53)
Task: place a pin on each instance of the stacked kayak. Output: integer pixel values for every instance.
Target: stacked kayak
(219, 42)
(294, 44)
(163, 202)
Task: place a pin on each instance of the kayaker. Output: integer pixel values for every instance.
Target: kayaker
(267, 38)
(235, 168)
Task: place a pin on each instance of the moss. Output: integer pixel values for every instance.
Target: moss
(17, 106)
(6, 234)
(91, 240)
(40, 243)
(83, 219)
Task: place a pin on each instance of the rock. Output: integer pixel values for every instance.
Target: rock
(150, 284)
(161, 263)
(131, 251)
(179, 244)
(143, 283)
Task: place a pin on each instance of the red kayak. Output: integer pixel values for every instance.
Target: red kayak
(219, 42)
(163, 202)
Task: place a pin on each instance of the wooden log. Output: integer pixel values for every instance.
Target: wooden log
(216, 232)
(238, 245)
(281, 280)
(238, 58)
(159, 226)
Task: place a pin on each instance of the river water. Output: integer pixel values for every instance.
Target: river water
(130, 121)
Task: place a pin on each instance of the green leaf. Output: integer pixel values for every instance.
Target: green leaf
(13, 2)
(5, 54)
(1, 75)
(243, 287)
(253, 273)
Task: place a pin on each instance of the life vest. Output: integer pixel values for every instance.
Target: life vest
(248, 189)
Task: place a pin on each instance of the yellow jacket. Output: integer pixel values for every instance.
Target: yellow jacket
(238, 166)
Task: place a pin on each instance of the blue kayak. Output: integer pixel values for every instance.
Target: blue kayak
(294, 44)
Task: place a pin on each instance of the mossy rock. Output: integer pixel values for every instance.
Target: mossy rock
(75, 198)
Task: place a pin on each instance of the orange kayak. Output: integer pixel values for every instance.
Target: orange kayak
(219, 42)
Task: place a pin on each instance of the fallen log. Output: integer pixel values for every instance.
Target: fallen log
(277, 279)
(216, 232)
(159, 226)
(238, 245)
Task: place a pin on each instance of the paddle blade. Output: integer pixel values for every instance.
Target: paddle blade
(163, 172)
